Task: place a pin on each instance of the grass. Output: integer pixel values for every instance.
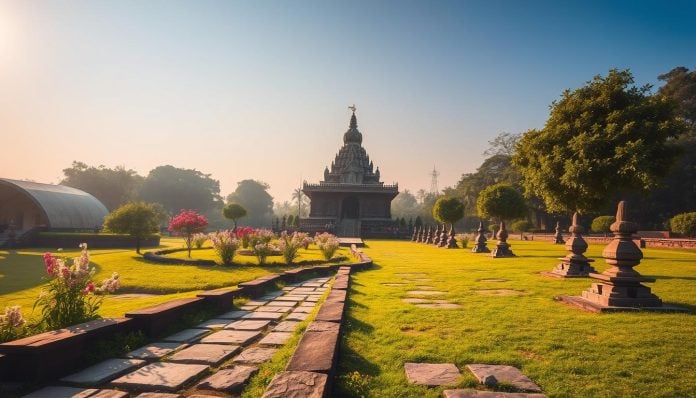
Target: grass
(568, 352)
(22, 275)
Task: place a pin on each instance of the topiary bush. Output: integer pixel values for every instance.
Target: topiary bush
(601, 224)
(684, 224)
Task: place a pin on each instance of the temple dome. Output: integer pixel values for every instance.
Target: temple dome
(352, 135)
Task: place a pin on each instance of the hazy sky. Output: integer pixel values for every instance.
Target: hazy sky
(260, 89)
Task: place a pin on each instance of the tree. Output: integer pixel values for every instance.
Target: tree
(187, 223)
(301, 202)
(137, 219)
(234, 211)
(113, 187)
(448, 210)
(405, 204)
(501, 201)
(254, 196)
(680, 86)
(602, 224)
(503, 144)
(177, 189)
(603, 139)
(684, 224)
(521, 226)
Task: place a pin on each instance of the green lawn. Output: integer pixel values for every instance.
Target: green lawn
(22, 273)
(568, 352)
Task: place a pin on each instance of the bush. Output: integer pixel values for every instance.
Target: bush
(262, 251)
(684, 224)
(327, 243)
(71, 297)
(225, 244)
(11, 324)
(521, 226)
(601, 224)
(289, 245)
(198, 240)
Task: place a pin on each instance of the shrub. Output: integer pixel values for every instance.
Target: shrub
(327, 243)
(261, 236)
(521, 226)
(262, 250)
(187, 223)
(289, 245)
(464, 239)
(243, 234)
(11, 324)
(684, 224)
(71, 297)
(198, 240)
(225, 245)
(601, 224)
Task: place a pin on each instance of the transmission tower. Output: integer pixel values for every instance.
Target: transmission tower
(433, 182)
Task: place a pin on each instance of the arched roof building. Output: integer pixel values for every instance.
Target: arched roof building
(26, 205)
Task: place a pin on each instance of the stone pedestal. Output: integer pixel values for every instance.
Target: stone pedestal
(452, 241)
(421, 238)
(414, 237)
(480, 244)
(502, 249)
(436, 236)
(443, 237)
(619, 287)
(429, 236)
(575, 264)
(558, 237)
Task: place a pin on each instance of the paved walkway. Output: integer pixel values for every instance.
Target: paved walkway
(215, 358)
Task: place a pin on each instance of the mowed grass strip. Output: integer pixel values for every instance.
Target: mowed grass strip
(568, 352)
(22, 275)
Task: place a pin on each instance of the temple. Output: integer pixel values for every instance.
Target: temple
(351, 201)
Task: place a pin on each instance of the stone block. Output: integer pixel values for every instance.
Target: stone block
(297, 316)
(103, 371)
(158, 395)
(280, 303)
(207, 354)
(217, 323)
(286, 326)
(160, 376)
(61, 392)
(432, 374)
(292, 297)
(331, 311)
(337, 295)
(316, 352)
(239, 337)
(155, 350)
(488, 394)
(258, 315)
(229, 380)
(323, 326)
(275, 338)
(503, 373)
(154, 320)
(294, 384)
(279, 309)
(234, 314)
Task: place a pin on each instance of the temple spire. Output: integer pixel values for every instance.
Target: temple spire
(353, 119)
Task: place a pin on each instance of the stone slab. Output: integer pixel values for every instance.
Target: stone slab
(303, 310)
(217, 323)
(280, 303)
(255, 355)
(249, 307)
(103, 371)
(308, 304)
(503, 373)
(61, 392)
(432, 374)
(425, 292)
(297, 385)
(269, 308)
(209, 354)
(270, 316)
(110, 394)
(187, 335)
(488, 394)
(158, 395)
(275, 338)
(313, 299)
(234, 314)
(303, 290)
(228, 380)
(256, 302)
(271, 295)
(331, 311)
(239, 337)
(297, 316)
(590, 306)
(155, 350)
(160, 376)
(292, 297)
(415, 300)
(322, 326)
(247, 324)
(500, 292)
(286, 326)
(312, 284)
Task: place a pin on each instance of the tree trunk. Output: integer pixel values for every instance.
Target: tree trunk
(137, 245)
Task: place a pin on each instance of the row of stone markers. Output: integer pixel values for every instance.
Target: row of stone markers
(439, 236)
(215, 357)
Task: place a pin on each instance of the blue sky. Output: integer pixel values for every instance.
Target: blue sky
(260, 89)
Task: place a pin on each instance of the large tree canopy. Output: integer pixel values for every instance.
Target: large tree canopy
(136, 219)
(254, 196)
(602, 139)
(448, 210)
(501, 201)
(113, 187)
(178, 189)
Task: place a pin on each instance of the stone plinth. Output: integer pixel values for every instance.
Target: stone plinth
(451, 240)
(574, 264)
(502, 248)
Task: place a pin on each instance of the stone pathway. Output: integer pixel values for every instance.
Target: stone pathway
(416, 297)
(216, 357)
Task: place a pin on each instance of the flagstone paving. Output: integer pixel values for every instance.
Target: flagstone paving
(432, 374)
(235, 341)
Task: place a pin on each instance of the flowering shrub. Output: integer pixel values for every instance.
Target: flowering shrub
(198, 240)
(187, 223)
(261, 236)
(225, 244)
(289, 245)
(305, 238)
(243, 234)
(327, 243)
(71, 296)
(262, 251)
(11, 324)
